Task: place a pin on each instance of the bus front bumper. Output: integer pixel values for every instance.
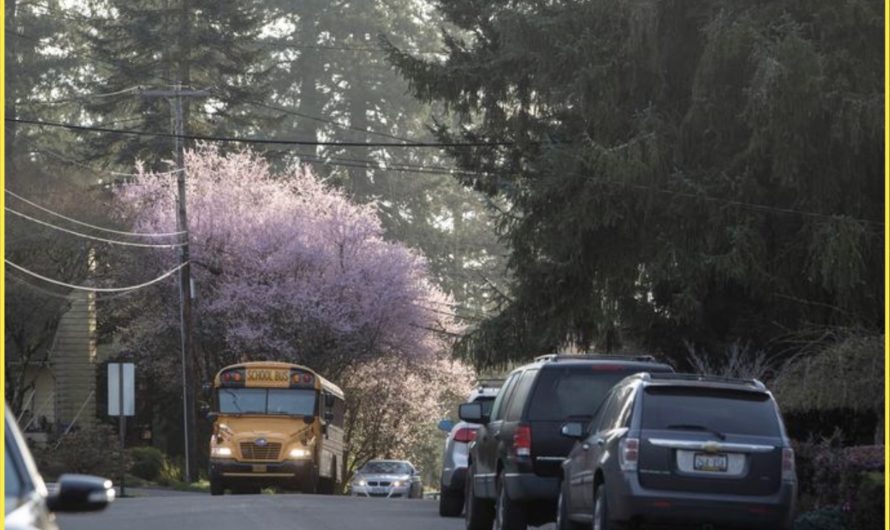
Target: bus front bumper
(228, 469)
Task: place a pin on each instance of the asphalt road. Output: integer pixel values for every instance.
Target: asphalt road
(190, 511)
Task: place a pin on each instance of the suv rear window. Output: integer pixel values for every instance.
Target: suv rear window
(573, 390)
(725, 411)
(487, 402)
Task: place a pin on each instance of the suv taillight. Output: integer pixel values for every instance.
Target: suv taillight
(522, 440)
(628, 453)
(465, 435)
(788, 464)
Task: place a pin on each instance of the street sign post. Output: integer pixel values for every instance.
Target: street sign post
(122, 401)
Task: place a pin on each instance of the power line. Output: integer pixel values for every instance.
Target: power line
(267, 141)
(88, 225)
(47, 292)
(344, 162)
(63, 158)
(732, 202)
(367, 49)
(87, 97)
(95, 238)
(333, 161)
(326, 120)
(95, 289)
(374, 164)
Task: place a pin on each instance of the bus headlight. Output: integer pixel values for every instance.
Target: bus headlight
(299, 453)
(221, 452)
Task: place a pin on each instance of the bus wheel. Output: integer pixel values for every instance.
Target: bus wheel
(328, 485)
(310, 483)
(217, 487)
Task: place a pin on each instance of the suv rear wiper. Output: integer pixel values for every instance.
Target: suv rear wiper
(716, 433)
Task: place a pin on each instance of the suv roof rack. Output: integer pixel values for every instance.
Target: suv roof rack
(705, 378)
(595, 357)
(490, 382)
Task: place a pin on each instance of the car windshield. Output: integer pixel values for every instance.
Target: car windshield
(296, 402)
(395, 468)
(572, 391)
(706, 410)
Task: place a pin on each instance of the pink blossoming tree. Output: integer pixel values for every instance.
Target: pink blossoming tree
(288, 268)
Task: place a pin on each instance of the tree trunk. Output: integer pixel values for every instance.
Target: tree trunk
(360, 181)
(309, 69)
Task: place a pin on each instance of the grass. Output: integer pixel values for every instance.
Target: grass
(201, 485)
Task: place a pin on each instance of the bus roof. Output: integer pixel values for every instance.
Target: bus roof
(325, 384)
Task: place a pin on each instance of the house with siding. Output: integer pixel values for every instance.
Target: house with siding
(64, 391)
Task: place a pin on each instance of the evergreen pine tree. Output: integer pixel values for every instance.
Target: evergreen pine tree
(706, 170)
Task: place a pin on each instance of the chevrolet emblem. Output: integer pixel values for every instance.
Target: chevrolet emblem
(711, 447)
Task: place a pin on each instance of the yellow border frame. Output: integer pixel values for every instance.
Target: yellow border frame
(886, 247)
(886, 257)
(3, 236)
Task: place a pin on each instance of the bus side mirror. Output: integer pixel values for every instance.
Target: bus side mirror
(328, 417)
(329, 400)
(205, 409)
(207, 389)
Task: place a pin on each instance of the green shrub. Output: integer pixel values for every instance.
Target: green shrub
(823, 474)
(865, 457)
(92, 450)
(170, 474)
(868, 506)
(838, 484)
(823, 519)
(147, 462)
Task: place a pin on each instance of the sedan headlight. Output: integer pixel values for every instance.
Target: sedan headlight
(222, 452)
(361, 482)
(396, 483)
(299, 453)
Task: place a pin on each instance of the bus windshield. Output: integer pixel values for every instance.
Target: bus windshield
(291, 402)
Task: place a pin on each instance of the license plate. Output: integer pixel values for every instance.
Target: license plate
(259, 468)
(379, 490)
(708, 462)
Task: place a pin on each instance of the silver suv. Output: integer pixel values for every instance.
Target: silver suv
(457, 448)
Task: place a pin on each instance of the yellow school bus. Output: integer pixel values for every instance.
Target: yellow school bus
(275, 424)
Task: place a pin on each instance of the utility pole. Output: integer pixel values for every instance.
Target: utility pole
(185, 291)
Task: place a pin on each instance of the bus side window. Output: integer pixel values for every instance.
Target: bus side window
(339, 410)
